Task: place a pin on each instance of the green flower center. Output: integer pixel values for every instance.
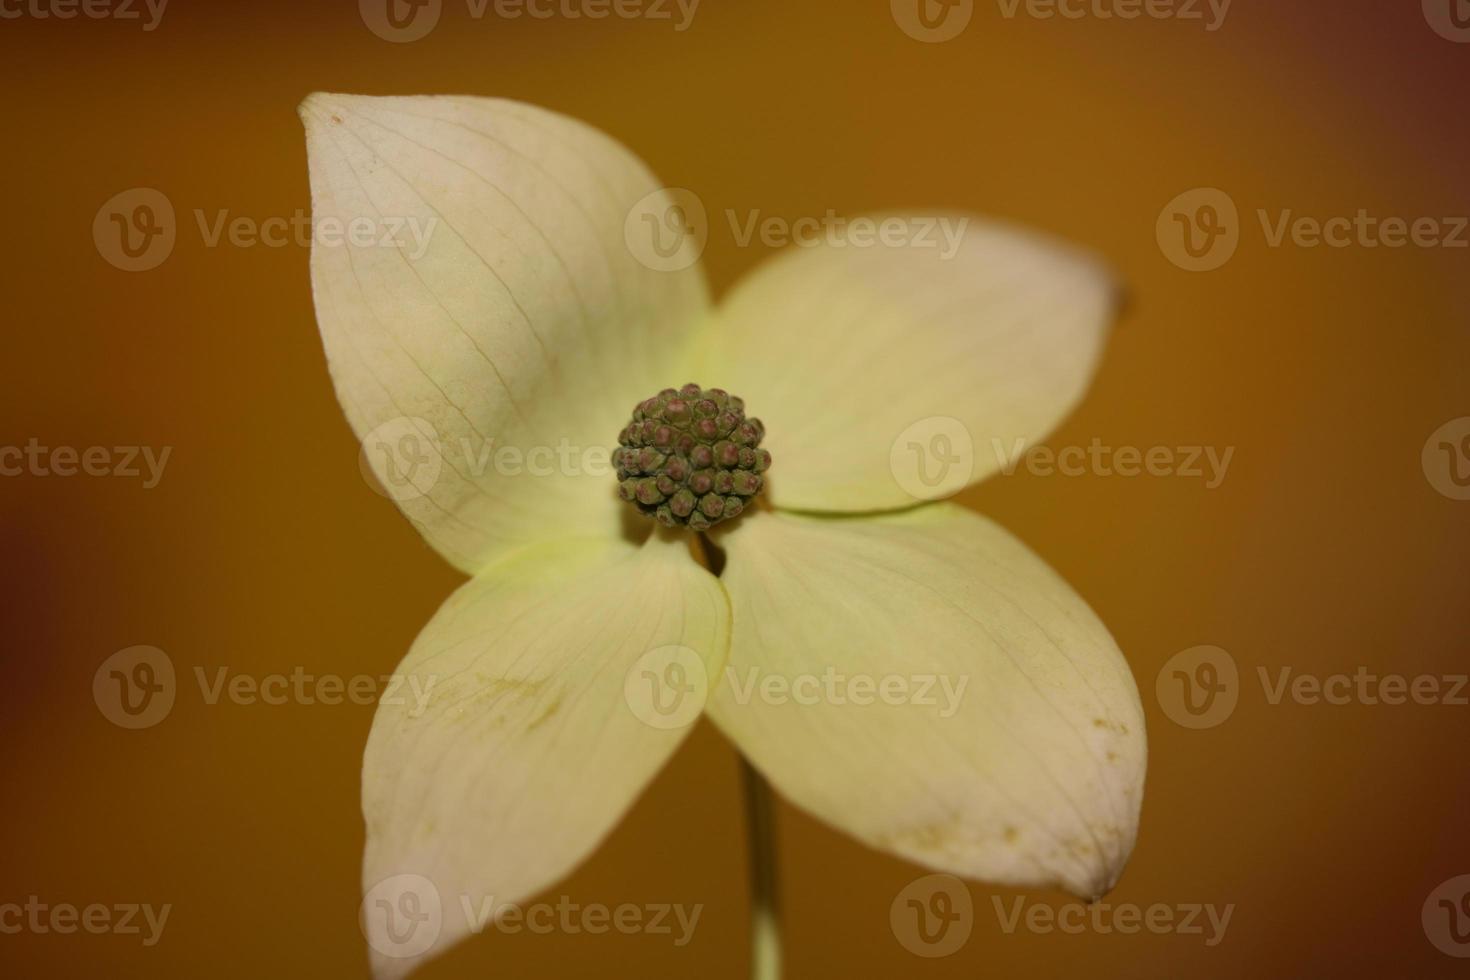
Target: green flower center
(690, 457)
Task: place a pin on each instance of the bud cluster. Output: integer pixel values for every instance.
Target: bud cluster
(690, 457)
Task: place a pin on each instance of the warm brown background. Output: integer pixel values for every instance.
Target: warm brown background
(263, 550)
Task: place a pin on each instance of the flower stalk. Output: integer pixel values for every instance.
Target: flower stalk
(765, 918)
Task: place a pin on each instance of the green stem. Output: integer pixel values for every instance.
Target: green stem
(765, 918)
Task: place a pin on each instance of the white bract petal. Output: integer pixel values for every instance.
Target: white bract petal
(530, 713)
(925, 682)
(486, 324)
(907, 367)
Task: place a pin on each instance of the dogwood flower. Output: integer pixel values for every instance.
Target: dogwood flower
(531, 318)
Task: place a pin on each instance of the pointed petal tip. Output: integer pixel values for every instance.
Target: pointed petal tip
(313, 110)
(1096, 878)
(319, 107)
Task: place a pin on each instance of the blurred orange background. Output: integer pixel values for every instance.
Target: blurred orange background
(1327, 547)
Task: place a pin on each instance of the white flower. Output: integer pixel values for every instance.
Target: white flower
(525, 320)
